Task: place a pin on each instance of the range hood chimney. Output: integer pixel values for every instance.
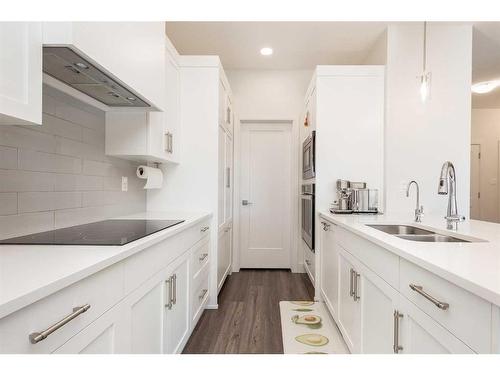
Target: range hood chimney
(69, 67)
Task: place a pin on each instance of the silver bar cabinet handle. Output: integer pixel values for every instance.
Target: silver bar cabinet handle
(420, 290)
(203, 293)
(168, 305)
(396, 347)
(36, 337)
(204, 229)
(203, 257)
(228, 177)
(351, 282)
(174, 287)
(355, 286)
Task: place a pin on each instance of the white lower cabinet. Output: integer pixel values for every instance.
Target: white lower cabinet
(329, 268)
(375, 317)
(153, 313)
(379, 302)
(176, 330)
(224, 255)
(349, 313)
(109, 334)
(420, 334)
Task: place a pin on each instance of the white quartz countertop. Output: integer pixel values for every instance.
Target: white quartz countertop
(29, 273)
(474, 266)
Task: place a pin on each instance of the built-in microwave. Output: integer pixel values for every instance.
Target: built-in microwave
(308, 157)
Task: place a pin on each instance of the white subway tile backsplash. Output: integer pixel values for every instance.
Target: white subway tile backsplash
(97, 168)
(8, 157)
(79, 116)
(21, 137)
(62, 128)
(19, 225)
(73, 182)
(79, 149)
(93, 137)
(44, 162)
(57, 175)
(16, 180)
(48, 201)
(8, 203)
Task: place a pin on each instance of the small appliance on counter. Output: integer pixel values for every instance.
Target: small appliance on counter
(355, 197)
(343, 204)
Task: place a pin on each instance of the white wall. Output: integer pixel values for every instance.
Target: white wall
(419, 137)
(269, 95)
(377, 55)
(486, 132)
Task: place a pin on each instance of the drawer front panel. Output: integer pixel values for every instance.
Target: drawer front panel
(381, 261)
(200, 294)
(467, 316)
(101, 291)
(200, 256)
(141, 266)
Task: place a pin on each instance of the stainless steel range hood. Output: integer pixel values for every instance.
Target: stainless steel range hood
(68, 66)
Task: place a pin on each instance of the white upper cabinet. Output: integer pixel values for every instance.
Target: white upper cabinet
(131, 52)
(20, 73)
(226, 116)
(150, 136)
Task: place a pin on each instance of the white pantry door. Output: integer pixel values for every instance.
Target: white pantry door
(475, 202)
(266, 190)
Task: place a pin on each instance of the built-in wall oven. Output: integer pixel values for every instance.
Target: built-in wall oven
(307, 219)
(308, 156)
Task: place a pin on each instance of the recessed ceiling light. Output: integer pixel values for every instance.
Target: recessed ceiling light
(485, 87)
(266, 51)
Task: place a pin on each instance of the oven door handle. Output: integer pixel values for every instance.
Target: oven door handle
(308, 197)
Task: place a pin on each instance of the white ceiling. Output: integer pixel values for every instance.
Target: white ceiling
(297, 45)
(303, 45)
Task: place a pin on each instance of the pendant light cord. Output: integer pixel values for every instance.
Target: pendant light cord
(425, 47)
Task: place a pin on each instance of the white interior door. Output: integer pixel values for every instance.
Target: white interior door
(265, 192)
(475, 197)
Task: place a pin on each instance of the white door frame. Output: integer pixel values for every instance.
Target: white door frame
(294, 192)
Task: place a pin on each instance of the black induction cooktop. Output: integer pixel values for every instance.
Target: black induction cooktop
(106, 233)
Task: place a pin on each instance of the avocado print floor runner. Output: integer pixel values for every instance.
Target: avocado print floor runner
(307, 328)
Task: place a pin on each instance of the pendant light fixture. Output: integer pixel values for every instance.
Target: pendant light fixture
(425, 78)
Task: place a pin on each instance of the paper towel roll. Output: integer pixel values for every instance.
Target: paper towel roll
(153, 176)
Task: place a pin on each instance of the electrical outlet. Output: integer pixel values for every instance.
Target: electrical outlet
(124, 183)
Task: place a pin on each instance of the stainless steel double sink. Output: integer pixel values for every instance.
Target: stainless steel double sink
(411, 233)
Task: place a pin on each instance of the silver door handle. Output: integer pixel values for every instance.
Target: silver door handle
(396, 347)
(168, 305)
(174, 287)
(228, 177)
(203, 257)
(245, 202)
(203, 294)
(355, 286)
(420, 290)
(36, 337)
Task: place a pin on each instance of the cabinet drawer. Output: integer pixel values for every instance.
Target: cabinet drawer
(199, 257)
(200, 294)
(468, 316)
(379, 260)
(101, 291)
(309, 262)
(142, 265)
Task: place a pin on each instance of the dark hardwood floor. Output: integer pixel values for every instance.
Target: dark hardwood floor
(248, 318)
